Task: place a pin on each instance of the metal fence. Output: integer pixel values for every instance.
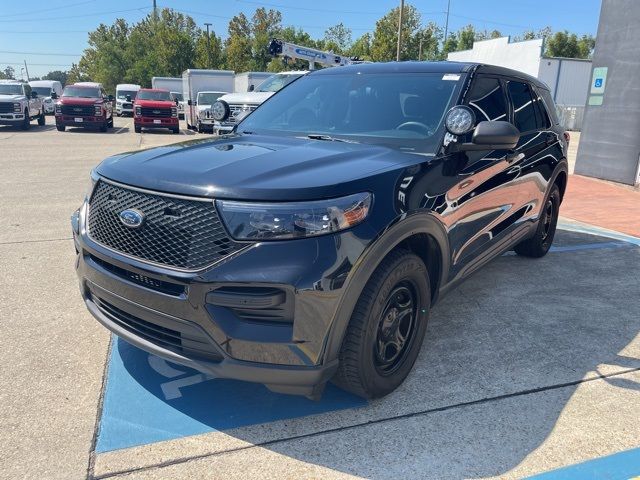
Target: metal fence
(570, 116)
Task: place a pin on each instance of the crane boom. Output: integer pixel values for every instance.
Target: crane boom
(280, 48)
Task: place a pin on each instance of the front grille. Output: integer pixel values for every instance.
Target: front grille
(128, 106)
(185, 338)
(79, 110)
(6, 107)
(237, 109)
(156, 112)
(176, 232)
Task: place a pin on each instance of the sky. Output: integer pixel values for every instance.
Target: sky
(51, 34)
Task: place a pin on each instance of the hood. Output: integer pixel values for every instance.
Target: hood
(247, 98)
(79, 101)
(12, 98)
(155, 103)
(254, 167)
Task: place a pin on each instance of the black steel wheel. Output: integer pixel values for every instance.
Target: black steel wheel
(384, 335)
(538, 245)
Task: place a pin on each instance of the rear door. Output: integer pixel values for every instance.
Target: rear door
(536, 150)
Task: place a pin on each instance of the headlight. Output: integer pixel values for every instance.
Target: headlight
(58, 108)
(47, 100)
(138, 111)
(174, 112)
(17, 108)
(276, 221)
(98, 108)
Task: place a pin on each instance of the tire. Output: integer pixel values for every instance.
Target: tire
(60, 128)
(119, 114)
(110, 123)
(370, 363)
(26, 123)
(41, 118)
(176, 130)
(103, 128)
(137, 129)
(199, 128)
(538, 245)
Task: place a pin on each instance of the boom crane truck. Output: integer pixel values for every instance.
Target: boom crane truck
(231, 108)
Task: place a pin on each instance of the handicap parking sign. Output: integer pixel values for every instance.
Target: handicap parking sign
(597, 83)
(599, 80)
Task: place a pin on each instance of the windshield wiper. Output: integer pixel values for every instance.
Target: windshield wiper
(328, 138)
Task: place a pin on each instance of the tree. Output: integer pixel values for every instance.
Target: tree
(77, 74)
(565, 44)
(238, 44)
(385, 35)
(338, 38)
(466, 37)
(8, 73)
(209, 50)
(58, 75)
(361, 48)
(430, 37)
(450, 45)
(265, 25)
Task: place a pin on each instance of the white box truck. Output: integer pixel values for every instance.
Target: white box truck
(249, 81)
(174, 85)
(195, 81)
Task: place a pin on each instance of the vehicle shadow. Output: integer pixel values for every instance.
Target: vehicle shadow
(472, 405)
(110, 131)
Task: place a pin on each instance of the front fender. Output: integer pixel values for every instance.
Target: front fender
(405, 226)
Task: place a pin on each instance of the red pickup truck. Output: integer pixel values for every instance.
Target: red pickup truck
(84, 105)
(155, 108)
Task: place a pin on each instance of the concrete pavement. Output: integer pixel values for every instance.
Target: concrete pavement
(528, 366)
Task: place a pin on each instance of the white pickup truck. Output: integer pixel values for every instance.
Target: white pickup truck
(19, 104)
(241, 104)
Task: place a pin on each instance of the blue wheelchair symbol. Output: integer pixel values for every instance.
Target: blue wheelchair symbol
(598, 83)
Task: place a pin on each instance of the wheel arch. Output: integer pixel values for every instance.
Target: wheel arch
(410, 231)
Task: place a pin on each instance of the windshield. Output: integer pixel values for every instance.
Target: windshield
(276, 82)
(209, 98)
(177, 96)
(81, 92)
(399, 110)
(154, 95)
(122, 94)
(9, 89)
(42, 91)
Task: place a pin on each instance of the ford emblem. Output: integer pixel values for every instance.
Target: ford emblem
(132, 218)
(156, 112)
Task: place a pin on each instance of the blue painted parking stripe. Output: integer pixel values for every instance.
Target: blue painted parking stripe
(149, 400)
(619, 466)
(590, 246)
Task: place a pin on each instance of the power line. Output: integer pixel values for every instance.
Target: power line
(42, 53)
(30, 12)
(291, 7)
(95, 14)
(39, 64)
(40, 32)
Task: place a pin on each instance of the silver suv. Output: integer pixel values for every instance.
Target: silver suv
(19, 104)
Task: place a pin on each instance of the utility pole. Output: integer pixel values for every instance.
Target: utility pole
(208, 46)
(155, 9)
(399, 30)
(420, 50)
(26, 70)
(446, 23)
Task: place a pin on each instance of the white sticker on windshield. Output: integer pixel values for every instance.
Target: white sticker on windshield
(451, 76)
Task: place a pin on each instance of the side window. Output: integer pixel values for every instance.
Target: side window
(542, 117)
(524, 110)
(487, 99)
(549, 104)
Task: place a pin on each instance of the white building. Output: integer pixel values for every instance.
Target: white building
(567, 78)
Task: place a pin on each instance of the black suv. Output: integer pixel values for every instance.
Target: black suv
(310, 244)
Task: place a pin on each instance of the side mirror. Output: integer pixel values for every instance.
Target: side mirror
(110, 98)
(252, 87)
(494, 135)
(34, 94)
(54, 95)
(128, 98)
(189, 102)
(177, 102)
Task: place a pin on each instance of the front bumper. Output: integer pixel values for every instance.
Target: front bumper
(150, 122)
(11, 118)
(90, 122)
(183, 318)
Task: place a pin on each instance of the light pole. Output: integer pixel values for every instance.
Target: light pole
(446, 23)
(208, 46)
(399, 30)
